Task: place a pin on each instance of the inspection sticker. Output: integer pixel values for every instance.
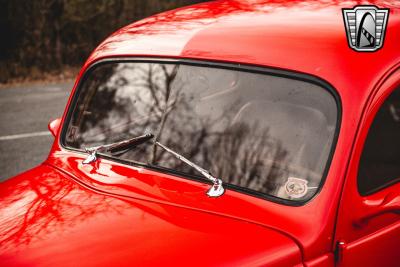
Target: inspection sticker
(296, 187)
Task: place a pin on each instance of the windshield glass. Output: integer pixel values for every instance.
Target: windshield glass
(264, 133)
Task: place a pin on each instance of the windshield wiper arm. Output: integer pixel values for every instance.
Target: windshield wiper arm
(216, 190)
(123, 146)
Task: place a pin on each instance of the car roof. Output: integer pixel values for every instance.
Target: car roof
(303, 36)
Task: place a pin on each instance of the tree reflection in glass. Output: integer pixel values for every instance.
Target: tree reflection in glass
(251, 130)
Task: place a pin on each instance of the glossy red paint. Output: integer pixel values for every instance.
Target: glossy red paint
(49, 214)
(370, 224)
(54, 126)
(63, 212)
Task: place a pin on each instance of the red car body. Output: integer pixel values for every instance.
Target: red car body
(62, 214)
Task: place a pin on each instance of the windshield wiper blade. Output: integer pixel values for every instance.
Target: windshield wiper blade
(216, 190)
(121, 146)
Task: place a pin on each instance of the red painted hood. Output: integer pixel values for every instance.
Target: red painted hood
(47, 219)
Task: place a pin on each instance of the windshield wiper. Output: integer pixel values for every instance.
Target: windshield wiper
(216, 190)
(118, 147)
(123, 146)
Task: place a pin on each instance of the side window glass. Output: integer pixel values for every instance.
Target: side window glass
(380, 159)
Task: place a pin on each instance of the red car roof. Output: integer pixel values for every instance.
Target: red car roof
(305, 36)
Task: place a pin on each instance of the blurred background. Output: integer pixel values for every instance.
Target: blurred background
(43, 44)
(48, 36)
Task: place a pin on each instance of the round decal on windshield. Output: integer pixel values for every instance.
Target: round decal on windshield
(296, 187)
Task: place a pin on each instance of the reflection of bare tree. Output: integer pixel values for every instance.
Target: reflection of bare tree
(255, 158)
(165, 99)
(168, 105)
(238, 153)
(100, 104)
(207, 13)
(203, 140)
(46, 204)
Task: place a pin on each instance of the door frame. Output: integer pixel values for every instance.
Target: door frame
(351, 227)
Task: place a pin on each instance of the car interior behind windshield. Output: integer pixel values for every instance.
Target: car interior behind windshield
(260, 132)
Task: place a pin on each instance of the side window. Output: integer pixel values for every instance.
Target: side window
(380, 159)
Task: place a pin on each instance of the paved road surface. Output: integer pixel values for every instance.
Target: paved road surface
(25, 112)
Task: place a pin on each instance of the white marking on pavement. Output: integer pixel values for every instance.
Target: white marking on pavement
(25, 135)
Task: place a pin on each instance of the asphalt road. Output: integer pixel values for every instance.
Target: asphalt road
(25, 112)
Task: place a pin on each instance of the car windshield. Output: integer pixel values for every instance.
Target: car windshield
(258, 132)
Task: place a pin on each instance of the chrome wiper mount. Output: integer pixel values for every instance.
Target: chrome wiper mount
(216, 190)
(121, 147)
